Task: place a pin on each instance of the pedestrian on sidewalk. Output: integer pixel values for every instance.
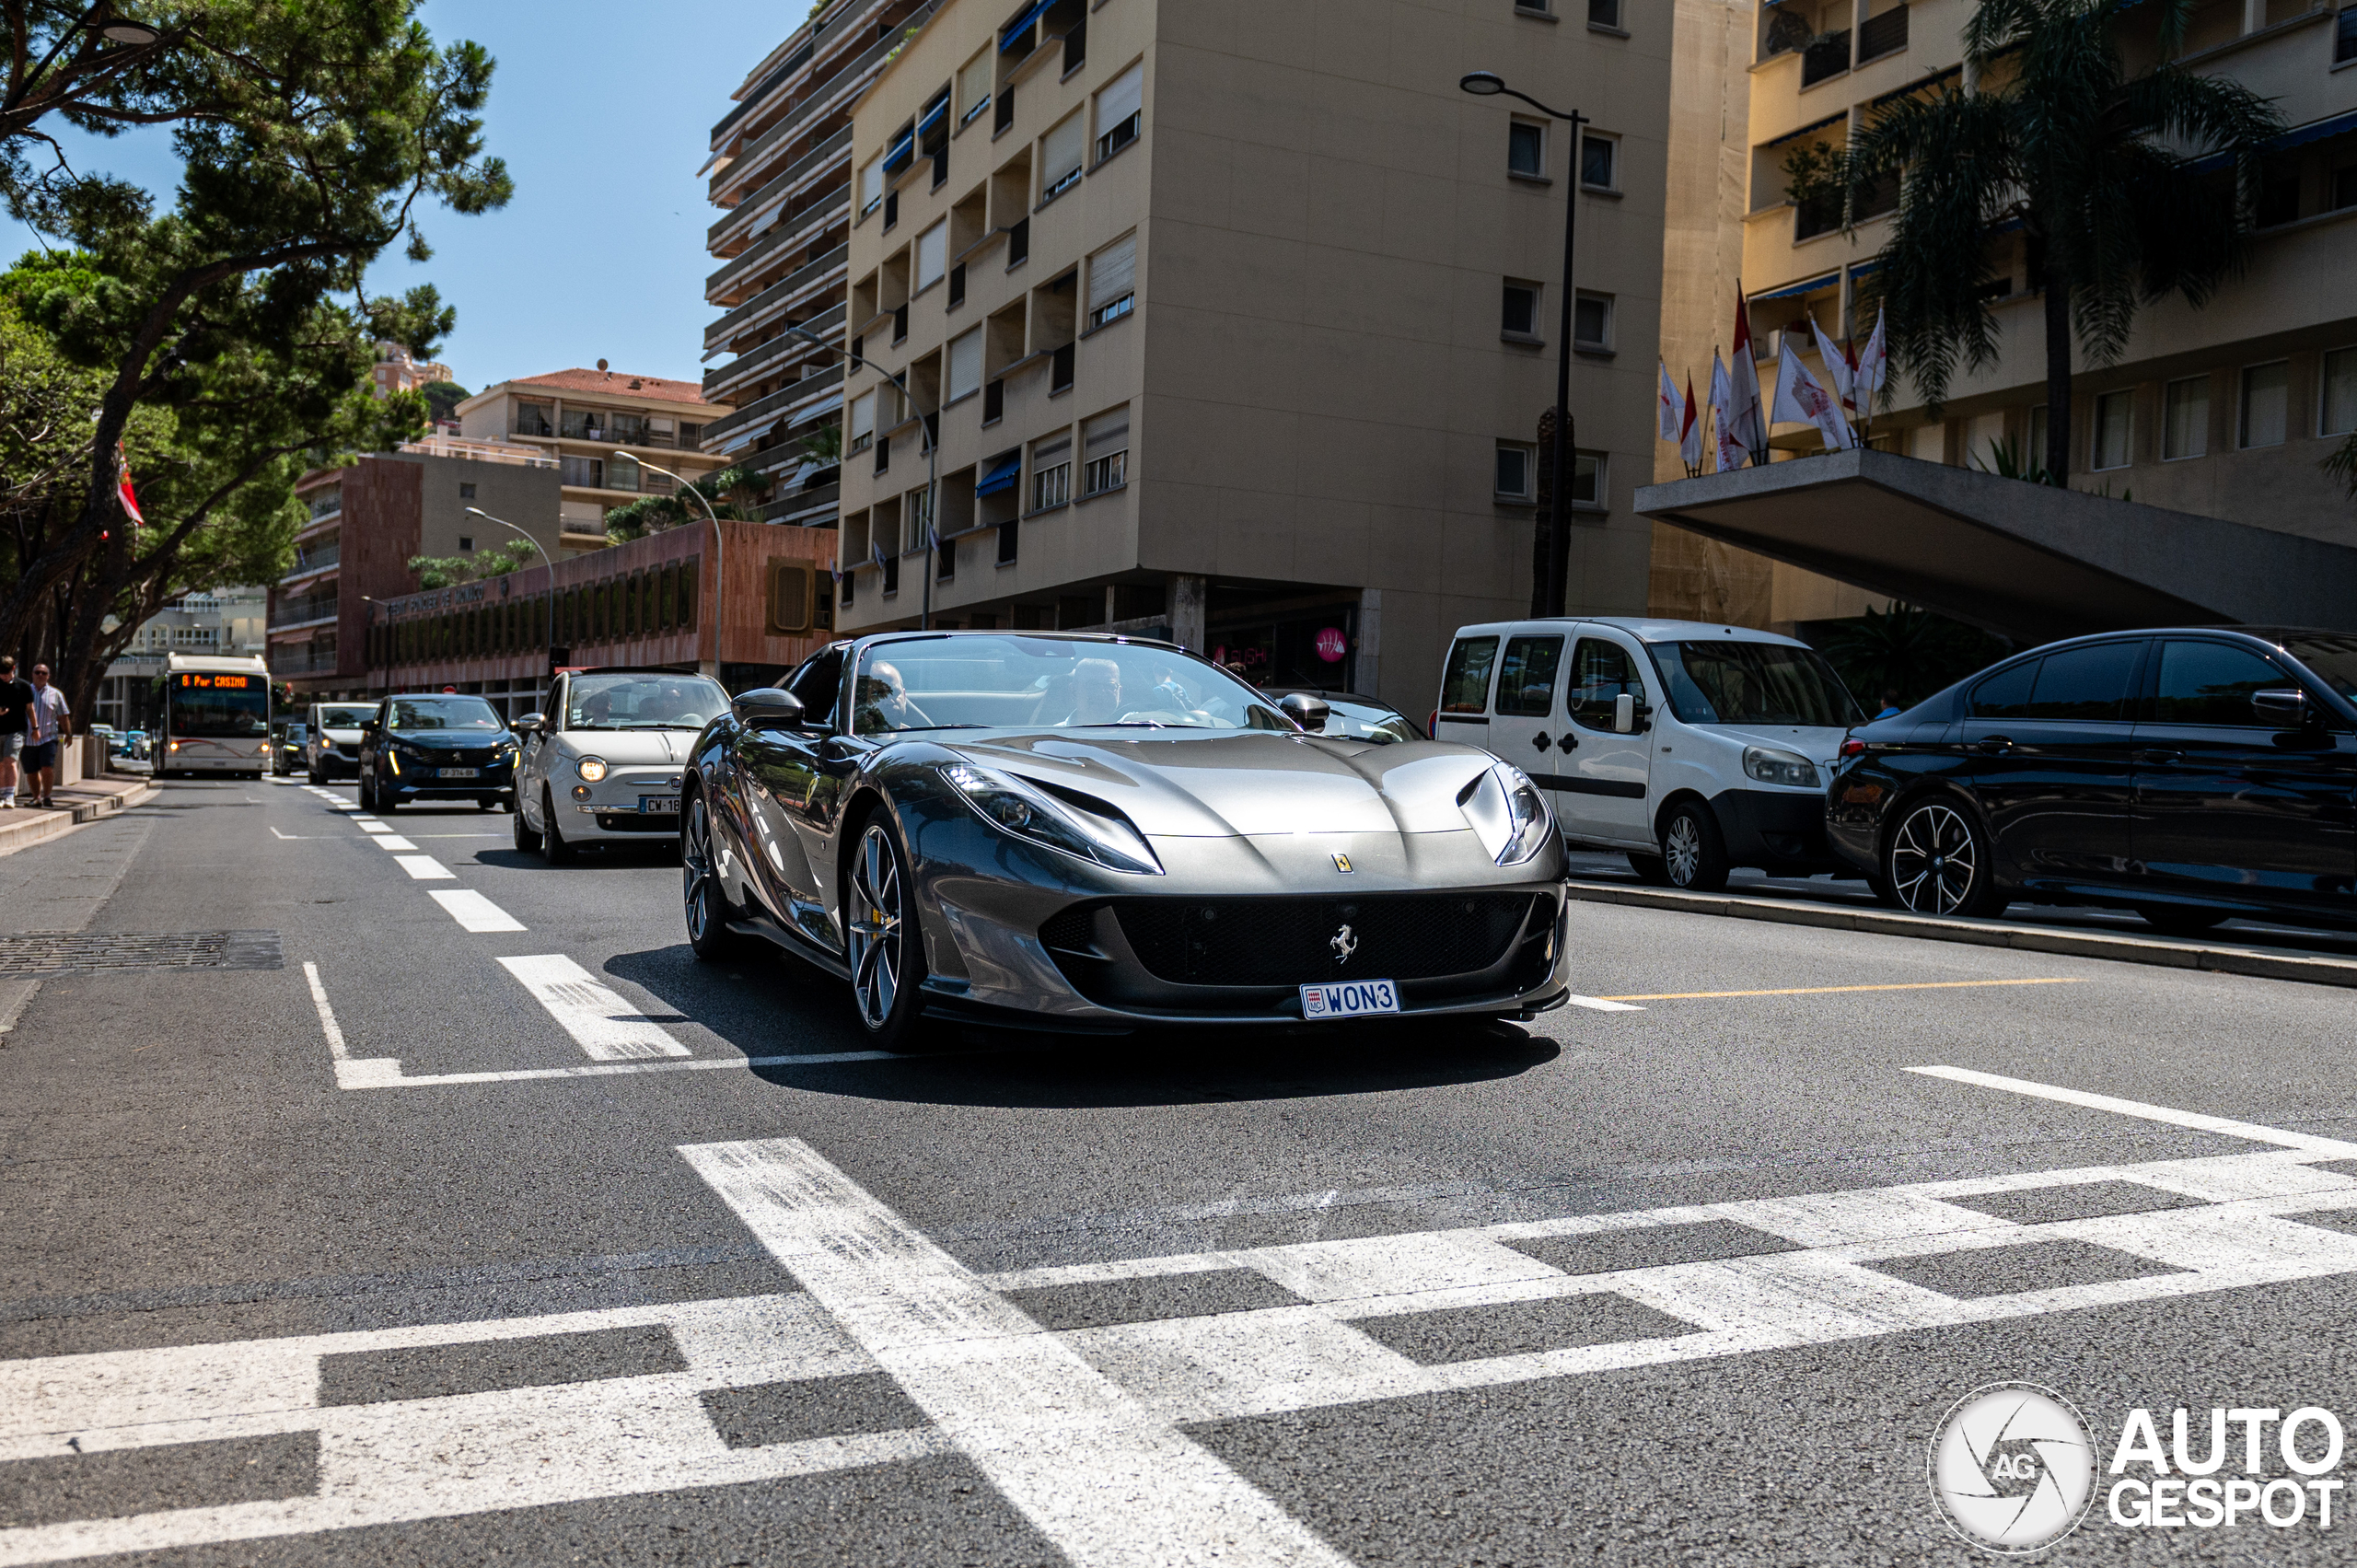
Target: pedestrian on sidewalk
(48, 721)
(16, 717)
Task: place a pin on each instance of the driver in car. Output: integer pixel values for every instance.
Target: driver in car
(884, 699)
(1097, 693)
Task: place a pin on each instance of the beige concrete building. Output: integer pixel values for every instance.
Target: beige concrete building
(1239, 322)
(595, 426)
(397, 370)
(2222, 412)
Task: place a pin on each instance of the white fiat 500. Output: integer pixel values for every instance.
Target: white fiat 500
(603, 764)
(1691, 747)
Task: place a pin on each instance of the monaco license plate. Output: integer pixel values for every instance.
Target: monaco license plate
(1349, 999)
(461, 772)
(658, 806)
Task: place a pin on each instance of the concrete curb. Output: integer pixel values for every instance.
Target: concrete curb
(43, 826)
(2028, 939)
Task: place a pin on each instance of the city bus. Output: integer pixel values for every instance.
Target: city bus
(212, 717)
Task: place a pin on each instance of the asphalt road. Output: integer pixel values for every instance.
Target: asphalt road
(347, 1222)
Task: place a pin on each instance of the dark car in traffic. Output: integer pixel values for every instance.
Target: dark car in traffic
(1347, 715)
(2191, 774)
(436, 746)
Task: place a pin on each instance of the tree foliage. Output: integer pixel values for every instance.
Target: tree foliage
(312, 133)
(448, 571)
(442, 398)
(2128, 186)
(731, 493)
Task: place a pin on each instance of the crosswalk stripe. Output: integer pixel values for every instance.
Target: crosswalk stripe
(1107, 1483)
(607, 1027)
(425, 867)
(392, 841)
(475, 911)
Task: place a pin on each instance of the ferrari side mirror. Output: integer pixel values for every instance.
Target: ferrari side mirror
(767, 707)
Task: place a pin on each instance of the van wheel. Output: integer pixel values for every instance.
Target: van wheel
(1693, 849)
(1939, 862)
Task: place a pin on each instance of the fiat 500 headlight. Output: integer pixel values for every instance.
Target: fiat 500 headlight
(1770, 766)
(1028, 811)
(591, 768)
(1507, 813)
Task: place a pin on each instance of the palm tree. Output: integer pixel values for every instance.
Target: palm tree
(2128, 188)
(732, 492)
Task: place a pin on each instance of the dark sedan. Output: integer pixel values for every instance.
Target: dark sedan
(2193, 775)
(436, 746)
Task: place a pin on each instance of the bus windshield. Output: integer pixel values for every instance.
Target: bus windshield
(219, 706)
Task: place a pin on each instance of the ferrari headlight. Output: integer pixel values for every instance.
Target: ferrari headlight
(1774, 767)
(1507, 813)
(591, 768)
(1020, 807)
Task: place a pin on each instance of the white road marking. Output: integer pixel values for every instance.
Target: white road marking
(425, 868)
(1598, 1004)
(607, 1028)
(2330, 1148)
(1089, 1464)
(475, 911)
(392, 840)
(293, 838)
(326, 1016)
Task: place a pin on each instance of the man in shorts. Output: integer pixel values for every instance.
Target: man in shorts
(49, 720)
(16, 715)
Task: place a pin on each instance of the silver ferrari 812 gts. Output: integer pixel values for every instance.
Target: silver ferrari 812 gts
(1095, 834)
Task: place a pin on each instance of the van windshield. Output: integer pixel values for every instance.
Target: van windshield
(1733, 682)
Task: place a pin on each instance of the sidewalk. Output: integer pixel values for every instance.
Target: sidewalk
(84, 801)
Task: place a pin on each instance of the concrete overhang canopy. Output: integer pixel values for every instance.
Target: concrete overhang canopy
(2026, 559)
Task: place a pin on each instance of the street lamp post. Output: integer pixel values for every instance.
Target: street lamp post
(1489, 84)
(931, 470)
(527, 538)
(719, 565)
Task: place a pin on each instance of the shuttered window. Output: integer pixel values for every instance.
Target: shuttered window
(1112, 281)
(1104, 446)
(932, 255)
(974, 87)
(1118, 112)
(1060, 156)
(965, 365)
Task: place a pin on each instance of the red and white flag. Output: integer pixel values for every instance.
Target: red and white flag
(122, 489)
(1689, 434)
(1669, 414)
(1728, 453)
(1800, 397)
(1744, 423)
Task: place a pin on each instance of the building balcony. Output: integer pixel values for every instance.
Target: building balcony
(823, 97)
(828, 156)
(821, 47)
(479, 451)
(721, 381)
(311, 609)
(775, 249)
(776, 403)
(307, 561)
(776, 297)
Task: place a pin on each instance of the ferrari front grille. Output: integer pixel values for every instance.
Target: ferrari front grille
(1293, 941)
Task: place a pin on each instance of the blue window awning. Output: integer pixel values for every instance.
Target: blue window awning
(934, 115)
(2298, 135)
(1013, 35)
(1789, 291)
(904, 149)
(1002, 475)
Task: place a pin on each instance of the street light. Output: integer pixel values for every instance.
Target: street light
(1489, 84)
(719, 565)
(527, 538)
(931, 467)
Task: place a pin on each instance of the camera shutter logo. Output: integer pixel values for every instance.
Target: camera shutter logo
(2011, 1467)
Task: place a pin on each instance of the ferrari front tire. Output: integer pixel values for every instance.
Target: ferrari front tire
(702, 902)
(886, 947)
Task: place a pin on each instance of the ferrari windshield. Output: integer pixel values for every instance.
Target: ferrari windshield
(1738, 682)
(642, 702)
(982, 680)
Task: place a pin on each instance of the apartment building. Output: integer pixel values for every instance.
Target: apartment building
(397, 370)
(605, 432)
(1237, 325)
(367, 519)
(2222, 410)
(781, 169)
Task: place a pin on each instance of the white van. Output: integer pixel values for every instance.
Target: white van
(332, 740)
(1693, 747)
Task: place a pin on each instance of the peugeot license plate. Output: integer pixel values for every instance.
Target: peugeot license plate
(1349, 999)
(658, 806)
(461, 772)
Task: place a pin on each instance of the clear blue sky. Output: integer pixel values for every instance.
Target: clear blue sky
(603, 111)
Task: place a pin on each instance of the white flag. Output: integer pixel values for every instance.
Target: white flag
(1669, 414)
(1799, 397)
(1743, 380)
(1873, 364)
(1727, 453)
(1837, 369)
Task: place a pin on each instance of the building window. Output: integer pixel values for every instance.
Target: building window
(1526, 148)
(1120, 114)
(1604, 12)
(974, 87)
(1592, 322)
(2339, 403)
(1112, 281)
(466, 541)
(1600, 162)
(2265, 404)
(862, 426)
(916, 520)
(1520, 317)
(1104, 448)
(2184, 421)
(1051, 471)
(2344, 36)
(932, 255)
(2114, 416)
(1060, 157)
(965, 365)
(871, 186)
(1517, 471)
(1588, 478)
(466, 491)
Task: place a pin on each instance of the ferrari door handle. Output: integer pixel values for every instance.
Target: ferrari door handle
(1540, 742)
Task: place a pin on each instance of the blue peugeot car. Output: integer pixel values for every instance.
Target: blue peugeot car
(436, 746)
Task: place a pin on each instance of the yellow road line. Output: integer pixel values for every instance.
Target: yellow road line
(1829, 990)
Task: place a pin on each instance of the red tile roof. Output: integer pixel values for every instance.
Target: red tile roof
(620, 383)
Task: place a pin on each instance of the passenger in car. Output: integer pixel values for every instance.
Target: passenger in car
(884, 701)
(1097, 693)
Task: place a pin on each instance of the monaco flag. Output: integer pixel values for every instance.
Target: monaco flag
(1689, 435)
(124, 491)
(1669, 414)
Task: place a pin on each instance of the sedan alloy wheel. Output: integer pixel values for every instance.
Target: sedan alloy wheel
(1938, 862)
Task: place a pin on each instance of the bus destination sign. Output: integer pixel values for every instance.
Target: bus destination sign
(217, 682)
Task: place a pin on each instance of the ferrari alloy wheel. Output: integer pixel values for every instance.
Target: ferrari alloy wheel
(887, 968)
(1938, 862)
(702, 902)
(1692, 850)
